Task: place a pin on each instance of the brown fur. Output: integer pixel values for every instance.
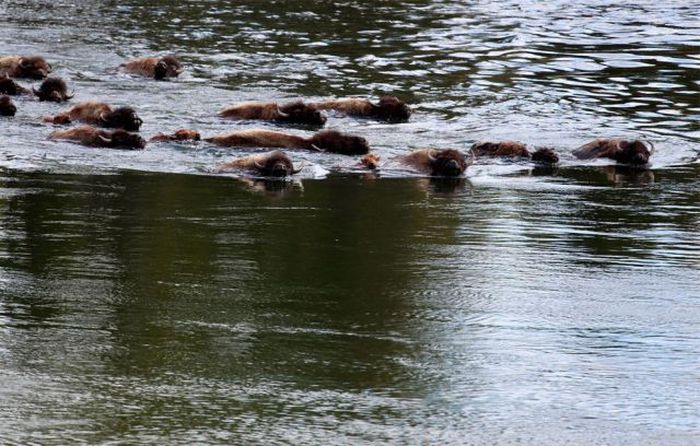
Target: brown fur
(155, 67)
(500, 149)
(327, 140)
(370, 161)
(389, 108)
(514, 150)
(623, 151)
(297, 112)
(260, 138)
(34, 67)
(335, 142)
(99, 113)
(180, 135)
(10, 87)
(7, 108)
(271, 164)
(53, 89)
(94, 137)
(443, 163)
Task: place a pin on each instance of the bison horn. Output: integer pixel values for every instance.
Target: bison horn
(102, 117)
(296, 171)
(50, 68)
(105, 140)
(282, 114)
(22, 63)
(316, 148)
(35, 91)
(431, 155)
(472, 157)
(652, 149)
(258, 166)
(70, 96)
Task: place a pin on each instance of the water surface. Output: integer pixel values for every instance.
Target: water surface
(144, 300)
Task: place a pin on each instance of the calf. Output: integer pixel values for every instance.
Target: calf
(514, 150)
(180, 135)
(94, 137)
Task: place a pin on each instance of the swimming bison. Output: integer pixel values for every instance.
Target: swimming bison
(179, 135)
(325, 141)
(10, 87)
(294, 112)
(271, 164)
(94, 137)
(389, 108)
(101, 114)
(514, 150)
(7, 108)
(34, 67)
(53, 89)
(634, 152)
(156, 67)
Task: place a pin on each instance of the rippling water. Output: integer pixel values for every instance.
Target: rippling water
(145, 301)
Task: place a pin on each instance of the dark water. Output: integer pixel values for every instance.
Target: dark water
(146, 301)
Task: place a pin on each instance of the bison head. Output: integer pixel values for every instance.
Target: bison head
(633, 152)
(7, 108)
(53, 89)
(8, 86)
(448, 162)
(122, 118)
(125, 140)
(392, 109)
(186, 135)
(167, 66)
(34, 67)
(275, 164)
(545, 156)
(336, 142)
(301, 113)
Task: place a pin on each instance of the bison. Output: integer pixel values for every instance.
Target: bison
(438, 163)
(514, 150)
(389, 108)
(634, 152)
(156, 67)
(7, 108)
(325, 141)
(94, 137)
(34, 67)
(270, 164)
(10, 87)
(296, 112)
(53, 89)
(99, 113)
(180, 135)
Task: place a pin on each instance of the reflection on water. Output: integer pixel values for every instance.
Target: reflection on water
(144, 301)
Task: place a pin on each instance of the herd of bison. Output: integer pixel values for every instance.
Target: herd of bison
(124, 123)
